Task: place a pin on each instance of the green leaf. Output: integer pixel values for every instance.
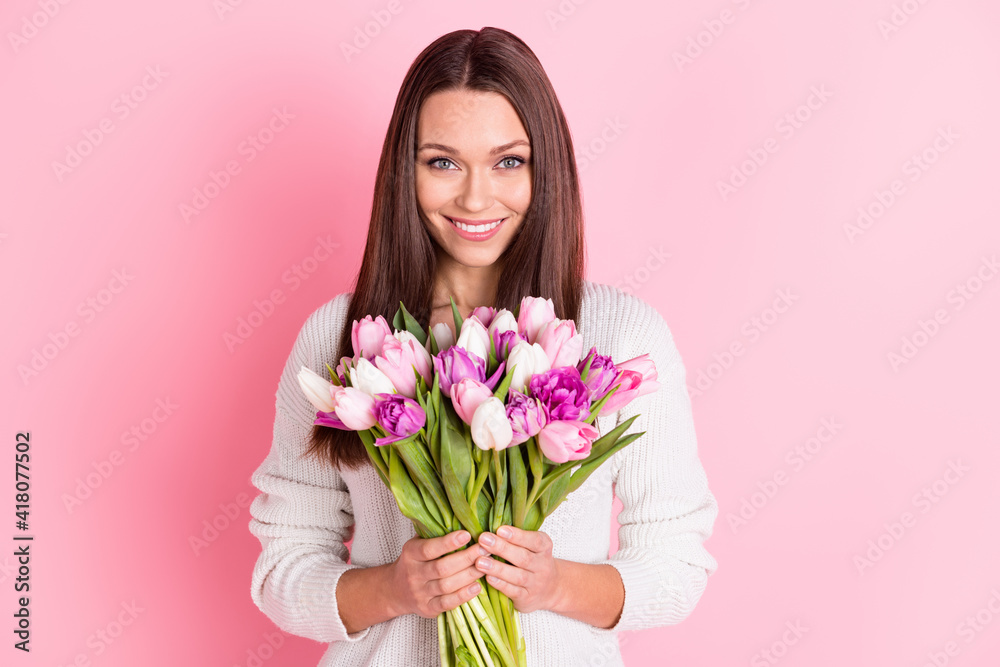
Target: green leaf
(533, 520)
(458, 318)
(593, 463)
(482, 470)
(519, 483)
(501, 390)
(595, 409)
(397, 320)
(484, 504)
(334, 378)
(534, 459)
(375, 455)
(408, 498)
(555, 492)
(586, 368)
(502, 482)
(412, 325)
(608, 440)
(456, 471)
(423, 473)
(434, 438)
(434, 344)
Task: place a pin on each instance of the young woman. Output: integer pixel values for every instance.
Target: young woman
(477, 198)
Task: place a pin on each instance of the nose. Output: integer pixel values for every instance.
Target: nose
(476, 193)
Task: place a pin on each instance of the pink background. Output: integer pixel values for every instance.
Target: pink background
(654, 135)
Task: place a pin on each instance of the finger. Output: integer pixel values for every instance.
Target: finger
(510, 552)
(532, 540)
(435, 547)
(457, 581)
(513, 591)
(453, 600)
(448, 566)
(508, 573)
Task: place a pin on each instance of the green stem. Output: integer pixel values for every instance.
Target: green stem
(443, 644)
(474, 627)
(507, 605)
(469, 642)
(521, 648)
(495, 634)
(463, 630)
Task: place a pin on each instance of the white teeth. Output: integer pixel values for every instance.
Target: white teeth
(475, 228)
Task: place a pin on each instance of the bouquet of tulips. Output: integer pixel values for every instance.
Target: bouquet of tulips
(480, 432)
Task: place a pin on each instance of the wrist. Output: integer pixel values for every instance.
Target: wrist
(388, 590)
(559, 601)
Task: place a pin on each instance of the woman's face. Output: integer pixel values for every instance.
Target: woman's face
(473, 164)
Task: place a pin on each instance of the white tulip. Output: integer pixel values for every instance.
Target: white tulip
(442, 336)
(504, 320)
(474, 338)
(369, 379)
(490, 427)
(526, 360)
(317, 389)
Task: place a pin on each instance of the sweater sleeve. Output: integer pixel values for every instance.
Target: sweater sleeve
(667, 508)
(302, 516)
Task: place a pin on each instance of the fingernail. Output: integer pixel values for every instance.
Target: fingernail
(462, 537)
(483, 552)
(504, 532)
(474, 589)
(487, 539)
(484, 563)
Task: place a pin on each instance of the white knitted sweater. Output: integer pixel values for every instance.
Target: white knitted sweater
(306, 510)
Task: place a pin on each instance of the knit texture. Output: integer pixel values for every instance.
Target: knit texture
(306, 510)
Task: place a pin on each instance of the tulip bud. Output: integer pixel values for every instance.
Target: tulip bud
(316, 389)
(490, 428)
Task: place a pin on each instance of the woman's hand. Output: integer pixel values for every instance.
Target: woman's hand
(531, 576)
(426, 582)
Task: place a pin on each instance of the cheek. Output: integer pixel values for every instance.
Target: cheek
(517, 193)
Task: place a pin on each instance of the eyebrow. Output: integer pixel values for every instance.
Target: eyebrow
(495, 151)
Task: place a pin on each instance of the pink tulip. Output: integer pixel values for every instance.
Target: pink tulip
(354, 408)
(485, 314)
(534, 312)
(636, 377)
(562, 344)
(401, 353)
(466, 395)
(563, 441)
(367, 336)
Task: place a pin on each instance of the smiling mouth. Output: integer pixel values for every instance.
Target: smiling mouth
(479, 228)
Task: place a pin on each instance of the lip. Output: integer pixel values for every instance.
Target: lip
(471, 236)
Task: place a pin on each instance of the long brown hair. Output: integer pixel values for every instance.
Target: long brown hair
(546, 257)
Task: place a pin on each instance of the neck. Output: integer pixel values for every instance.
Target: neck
(470, 286)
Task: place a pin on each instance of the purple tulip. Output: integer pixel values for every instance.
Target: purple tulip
(330, 419)
(562, 393)
(504, 342)
(636, 377)
(399, 415)
(456, 363)
(601, 375)
(526, 415)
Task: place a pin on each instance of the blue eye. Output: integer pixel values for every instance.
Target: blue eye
(433, 162)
